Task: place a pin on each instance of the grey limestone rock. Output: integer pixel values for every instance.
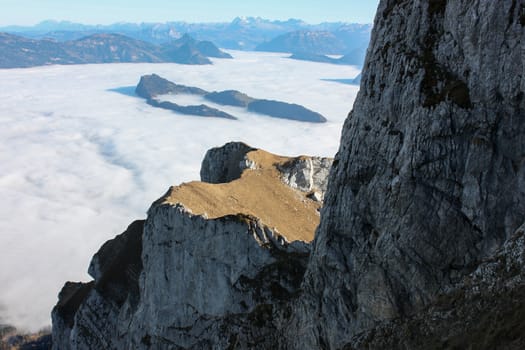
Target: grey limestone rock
(225, 163)
(430, 175)
(91, 315)
(484, 311)
(198, 271)
(307, 174)
(206, 283)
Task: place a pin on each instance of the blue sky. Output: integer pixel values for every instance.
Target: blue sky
(26, 12)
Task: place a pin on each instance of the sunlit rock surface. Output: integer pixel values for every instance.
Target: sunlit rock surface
(217, 262)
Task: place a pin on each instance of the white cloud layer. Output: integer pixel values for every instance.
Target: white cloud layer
(79, 161)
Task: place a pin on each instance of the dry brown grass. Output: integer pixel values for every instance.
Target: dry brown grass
(259, 192)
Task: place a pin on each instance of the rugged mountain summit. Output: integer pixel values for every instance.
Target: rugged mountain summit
(211, 264)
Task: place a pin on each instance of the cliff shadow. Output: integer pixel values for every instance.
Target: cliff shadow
(343, 81)
(125, 90)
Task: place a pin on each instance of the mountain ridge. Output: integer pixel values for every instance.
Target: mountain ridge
(150, 86)
(20, 52)
(239, 34)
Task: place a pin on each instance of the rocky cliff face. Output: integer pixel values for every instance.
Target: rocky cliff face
(484, 311)
(429, 177)
(419, 243)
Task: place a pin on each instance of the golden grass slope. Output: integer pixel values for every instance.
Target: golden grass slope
(258, 192)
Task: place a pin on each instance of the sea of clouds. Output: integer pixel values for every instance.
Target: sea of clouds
(81, 157)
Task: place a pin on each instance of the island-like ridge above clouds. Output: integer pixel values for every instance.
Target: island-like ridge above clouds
(151, 86)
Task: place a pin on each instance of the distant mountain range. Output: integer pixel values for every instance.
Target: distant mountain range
(240, 34)
(320, 42)
(18, 51)
(316, 45)
(53, 42)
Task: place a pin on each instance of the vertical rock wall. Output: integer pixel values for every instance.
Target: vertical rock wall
(430, 174)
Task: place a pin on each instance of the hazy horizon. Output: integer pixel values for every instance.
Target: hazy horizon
(65, 21)
(31, 12)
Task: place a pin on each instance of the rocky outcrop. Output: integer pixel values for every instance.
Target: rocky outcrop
(226, 163)
(429, 177)
(218, 263)
(307, 174)
(241, 266)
